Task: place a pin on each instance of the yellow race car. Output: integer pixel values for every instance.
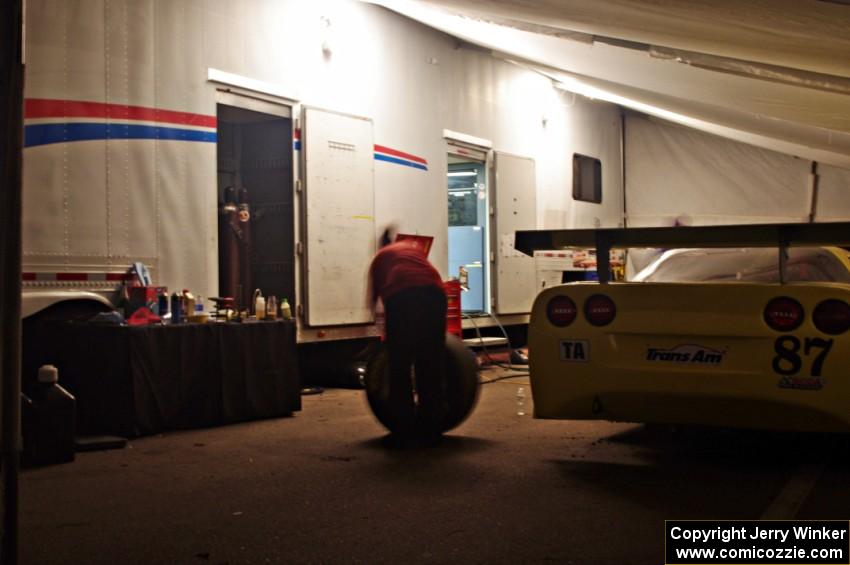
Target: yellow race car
(747, 326)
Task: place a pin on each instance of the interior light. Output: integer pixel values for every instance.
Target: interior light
(462, 174)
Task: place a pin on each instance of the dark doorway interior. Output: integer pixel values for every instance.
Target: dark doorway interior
(256, 238)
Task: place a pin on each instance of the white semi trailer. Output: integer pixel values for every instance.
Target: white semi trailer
(337, 117)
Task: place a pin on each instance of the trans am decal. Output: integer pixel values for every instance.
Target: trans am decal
(687, 353)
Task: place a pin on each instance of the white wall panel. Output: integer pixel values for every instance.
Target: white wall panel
(675, 173)
(577, 125)
(86, 199)
(179, 64)
(201, 219)
(118, 198)
(143, 221)
(140, 46)
(45, 49)
(116, 50)
(183, 197)
(266, 27)
(833, 194)
(85, 62)
(595, 132)
(223, 33)
(116, 47)
(43, 218)
(197, 93)
(175, 225)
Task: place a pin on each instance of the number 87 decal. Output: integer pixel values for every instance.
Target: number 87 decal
(788, 360)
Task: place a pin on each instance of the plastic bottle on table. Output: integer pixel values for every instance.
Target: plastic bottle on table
(285, 310)
(188, 304)
(271, 308)
(520, 401)
(260, 306)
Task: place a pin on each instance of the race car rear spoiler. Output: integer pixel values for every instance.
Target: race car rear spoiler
(759, 235)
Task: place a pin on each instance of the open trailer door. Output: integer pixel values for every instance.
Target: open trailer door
(516, 209)
(339, 222)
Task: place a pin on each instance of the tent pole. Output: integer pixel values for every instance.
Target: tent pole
(11, 147)
(813, 183)
(623, 165)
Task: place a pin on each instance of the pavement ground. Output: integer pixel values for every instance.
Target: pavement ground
(326, 486)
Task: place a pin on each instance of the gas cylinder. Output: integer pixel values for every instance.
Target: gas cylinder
(245, 271)
(229, 239)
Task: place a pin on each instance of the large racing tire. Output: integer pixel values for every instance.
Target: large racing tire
(461, 385)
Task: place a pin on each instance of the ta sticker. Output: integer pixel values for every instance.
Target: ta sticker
(575, 350)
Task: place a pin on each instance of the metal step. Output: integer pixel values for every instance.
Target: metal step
(474, 342)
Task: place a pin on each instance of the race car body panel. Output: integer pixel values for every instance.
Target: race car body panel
(689, 353)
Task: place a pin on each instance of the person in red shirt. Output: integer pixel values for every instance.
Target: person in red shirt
(414, 301)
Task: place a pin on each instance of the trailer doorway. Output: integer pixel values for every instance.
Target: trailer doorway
(468, 228)
(255, 195)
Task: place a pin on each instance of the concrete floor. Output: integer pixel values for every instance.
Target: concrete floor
(324, 486)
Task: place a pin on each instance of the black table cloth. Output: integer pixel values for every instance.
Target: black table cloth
(133, 381)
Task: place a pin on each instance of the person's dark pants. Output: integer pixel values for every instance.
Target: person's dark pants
(416, 337)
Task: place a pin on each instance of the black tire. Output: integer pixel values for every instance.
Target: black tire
(461, 385)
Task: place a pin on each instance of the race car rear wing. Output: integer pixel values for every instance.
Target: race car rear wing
(760, 235)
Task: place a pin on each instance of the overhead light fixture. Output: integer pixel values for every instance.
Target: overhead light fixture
(571, 84)
(462, 174)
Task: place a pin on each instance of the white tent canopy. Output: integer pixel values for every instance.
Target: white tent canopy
(771, 73)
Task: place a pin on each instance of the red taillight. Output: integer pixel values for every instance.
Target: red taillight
(600, 310)
(783, 314)
(561, 311)
(832, 316)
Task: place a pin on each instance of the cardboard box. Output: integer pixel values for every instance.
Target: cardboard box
(143, 296)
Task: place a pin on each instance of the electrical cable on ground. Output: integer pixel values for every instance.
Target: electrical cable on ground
(509, 366)
(501, 378)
